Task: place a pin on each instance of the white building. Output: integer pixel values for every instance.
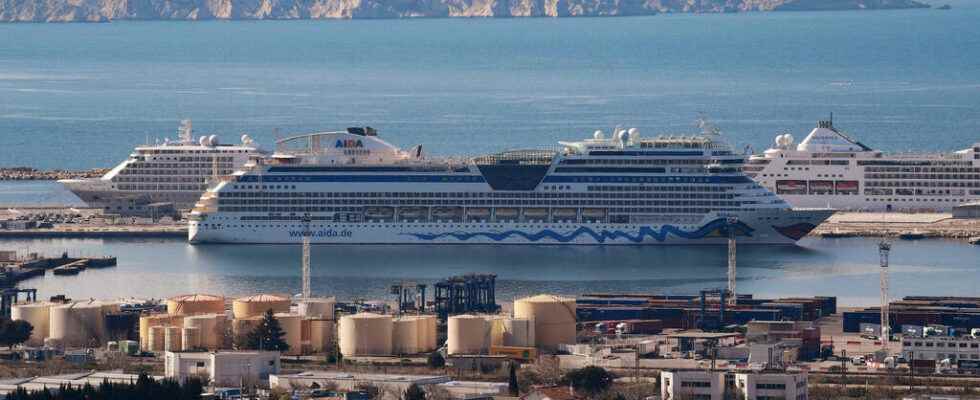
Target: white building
(941, 347)
(748, 385)
(223, 368)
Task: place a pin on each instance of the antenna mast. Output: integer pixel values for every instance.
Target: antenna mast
(306, 257)
(883, 249)
(732, 298)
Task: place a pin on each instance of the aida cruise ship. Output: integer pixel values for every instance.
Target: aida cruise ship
(175, 173)
(353, 187)
(830, 169)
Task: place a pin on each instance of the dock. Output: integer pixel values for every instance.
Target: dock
(929, 225)
(64, 265)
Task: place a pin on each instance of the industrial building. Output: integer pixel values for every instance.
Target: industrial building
(705, 311)
(223, 368)
(53, 383)
(958, 313)
(391, 387)
(720, 385)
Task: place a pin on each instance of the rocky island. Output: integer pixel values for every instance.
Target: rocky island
(108, 10)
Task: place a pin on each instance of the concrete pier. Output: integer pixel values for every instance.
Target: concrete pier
(936, 225)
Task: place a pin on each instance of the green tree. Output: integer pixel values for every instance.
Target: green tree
(590, 380)
(512, 385)
(14, 332)
(435, 360)
(414, 392)
(268, 335)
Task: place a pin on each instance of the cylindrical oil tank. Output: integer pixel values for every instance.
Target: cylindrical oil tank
(553, 318)
(317, 308)
(430, 334)
(77, 324)
(242, 326)
(171, 338)
(36, 314)
(292, 326)
(517, 332)
(365, 334)
(190, 339)
(211, 327)
(321, 335)
(110, 307)
(252, 306)
(468, 334)
(156, 338)
(406, 335)
(151, 320)
(191, 304)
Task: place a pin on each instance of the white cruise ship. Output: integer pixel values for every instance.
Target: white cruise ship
(831, 169)
(171, 173)
(353, 187)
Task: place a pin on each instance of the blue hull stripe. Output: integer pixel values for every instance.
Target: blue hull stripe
(717, 226)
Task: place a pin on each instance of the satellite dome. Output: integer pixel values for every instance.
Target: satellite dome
(789, 139)
(623, 136)
(203, 141)
(598, 135)
(246, 139)
(213, 140)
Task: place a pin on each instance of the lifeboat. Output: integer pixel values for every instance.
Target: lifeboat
(593, 212)
(378, 212)
(446, 212)
(535, 213)
(478, 212)
(413, 213)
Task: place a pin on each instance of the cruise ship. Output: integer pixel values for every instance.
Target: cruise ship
(353, 187)
(831, 169)
(172, 174)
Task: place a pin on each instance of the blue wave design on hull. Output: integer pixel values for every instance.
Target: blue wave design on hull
(719, 226)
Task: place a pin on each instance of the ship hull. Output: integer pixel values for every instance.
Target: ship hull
(775, 227)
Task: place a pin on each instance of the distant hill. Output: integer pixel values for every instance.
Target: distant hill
(107, 10)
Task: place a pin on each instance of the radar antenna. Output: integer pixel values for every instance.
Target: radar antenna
(185, 132)
(707, 128)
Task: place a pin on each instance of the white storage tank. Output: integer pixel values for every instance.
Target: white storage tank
(36, 314)
(430, 341)
(77, 324)
(148, 321)
(190, 339)
(156, 338)
(321, 335)
(317, 308)
(191, 304)
(365, 334)
(553, 318)
(468, 334)
(172, 338)
(291, 325)
(512, 332)
(211, 328)
(406, 336)
(257, 305)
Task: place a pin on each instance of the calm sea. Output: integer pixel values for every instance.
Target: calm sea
(838, 267)
(81, 96)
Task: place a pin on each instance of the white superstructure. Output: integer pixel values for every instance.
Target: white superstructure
(830, 169)
(353, 187)
(170, 172)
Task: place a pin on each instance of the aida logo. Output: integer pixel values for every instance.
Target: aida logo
(349, 144)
